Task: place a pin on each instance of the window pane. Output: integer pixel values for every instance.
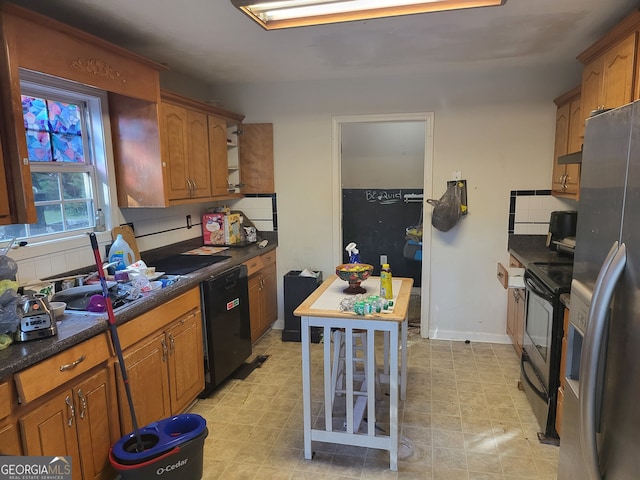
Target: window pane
(64, 118)
(49, 220)
(67, 148)
(76, 185)
(45, 186)
(34, 111)
(12, 231)
(77, 215)
(38, 146)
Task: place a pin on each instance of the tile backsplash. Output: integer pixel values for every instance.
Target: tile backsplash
(529, 210)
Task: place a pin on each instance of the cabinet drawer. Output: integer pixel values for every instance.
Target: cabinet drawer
(254, 265)
(511, 277)
(54, 371)
(269, 258)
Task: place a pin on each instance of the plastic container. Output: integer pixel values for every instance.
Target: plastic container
(121, 252)
(100, 226)
(173, 449)
(386, 282)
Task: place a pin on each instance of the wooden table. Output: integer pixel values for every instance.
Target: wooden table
(322, 309)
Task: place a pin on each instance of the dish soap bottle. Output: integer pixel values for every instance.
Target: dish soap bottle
(121, 252)
(386, 282)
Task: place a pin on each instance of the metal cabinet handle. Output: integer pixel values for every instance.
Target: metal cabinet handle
(72, 410)
(74, 364)
(83, 402)
(172, 343)
(164, 349)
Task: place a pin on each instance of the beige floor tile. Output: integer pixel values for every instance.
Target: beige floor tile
(463, 418)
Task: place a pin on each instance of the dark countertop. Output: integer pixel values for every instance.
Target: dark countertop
(76, 327)
(531, 248)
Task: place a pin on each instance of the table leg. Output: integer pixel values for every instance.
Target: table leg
(403, 375)
(306, 385)
(393, 394)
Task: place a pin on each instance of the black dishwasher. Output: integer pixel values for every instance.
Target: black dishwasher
(227, 331)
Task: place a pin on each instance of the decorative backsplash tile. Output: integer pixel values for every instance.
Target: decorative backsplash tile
(529, 211)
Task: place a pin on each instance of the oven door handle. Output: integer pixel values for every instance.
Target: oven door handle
(536, 288)
(543, 394)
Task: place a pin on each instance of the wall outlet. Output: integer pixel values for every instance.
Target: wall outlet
(457, 175)
(383, 259)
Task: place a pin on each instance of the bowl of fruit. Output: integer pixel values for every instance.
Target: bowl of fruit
(354, 274)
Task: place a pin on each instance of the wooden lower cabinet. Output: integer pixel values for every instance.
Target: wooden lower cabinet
(80, 422)
(263, 303)
(515, 317)
(10, 441)
(165, 371)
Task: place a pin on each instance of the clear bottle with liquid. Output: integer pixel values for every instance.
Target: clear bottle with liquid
(100, 226)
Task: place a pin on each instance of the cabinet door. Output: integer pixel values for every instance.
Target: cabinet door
(256, 158)
(51, 429)
(618, 73)
(511, 314)
(574, 144)
(218, 156)
(269, 296)
(198, 154)
(173, 121)
(561, 145)
(97, 423)
(186, 361)
(592, 88)
(5, 213)
(10, 441)
(149, 382)
(255, 306)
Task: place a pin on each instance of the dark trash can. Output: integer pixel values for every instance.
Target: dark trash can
(173, 449)
(296, 289)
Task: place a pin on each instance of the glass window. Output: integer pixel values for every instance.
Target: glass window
(65, 144)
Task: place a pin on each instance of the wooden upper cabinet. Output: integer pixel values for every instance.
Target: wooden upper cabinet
(218, 155)
(256, 158)
(185, 152)
(80, 57)
(5, 211)
(568, 139)
(609, 75)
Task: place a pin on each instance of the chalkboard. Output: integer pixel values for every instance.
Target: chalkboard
(376, 220)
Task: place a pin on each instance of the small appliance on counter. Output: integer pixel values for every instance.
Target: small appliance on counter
(37, 318)
(562, 224)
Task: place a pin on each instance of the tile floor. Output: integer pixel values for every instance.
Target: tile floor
(463, 418)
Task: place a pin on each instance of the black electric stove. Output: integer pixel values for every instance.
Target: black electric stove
(555, 276)
(183, 264)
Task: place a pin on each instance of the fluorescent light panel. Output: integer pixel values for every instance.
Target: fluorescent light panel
(275, 14)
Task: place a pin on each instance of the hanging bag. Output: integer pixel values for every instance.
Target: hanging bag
(447, 210)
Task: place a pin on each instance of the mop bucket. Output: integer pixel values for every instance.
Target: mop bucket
(172, 450)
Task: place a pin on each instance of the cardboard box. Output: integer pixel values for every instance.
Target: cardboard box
(213, 229)
(232, 228)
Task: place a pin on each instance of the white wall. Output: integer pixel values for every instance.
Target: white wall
(497, 128)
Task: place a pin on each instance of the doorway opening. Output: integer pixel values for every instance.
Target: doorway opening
(382, 175)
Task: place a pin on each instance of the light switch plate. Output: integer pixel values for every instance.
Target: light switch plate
(383, 259)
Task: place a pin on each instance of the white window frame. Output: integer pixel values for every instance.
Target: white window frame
(96, 137)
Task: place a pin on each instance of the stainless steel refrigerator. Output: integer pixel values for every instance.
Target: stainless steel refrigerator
(600, 435)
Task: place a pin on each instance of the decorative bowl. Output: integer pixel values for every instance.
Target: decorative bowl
(354, 273)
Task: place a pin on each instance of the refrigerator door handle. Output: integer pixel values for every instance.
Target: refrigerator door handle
(611, 270)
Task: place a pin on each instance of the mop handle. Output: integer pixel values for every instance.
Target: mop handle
(116, 340)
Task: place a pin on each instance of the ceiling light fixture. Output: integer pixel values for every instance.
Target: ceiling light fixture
(275, 14)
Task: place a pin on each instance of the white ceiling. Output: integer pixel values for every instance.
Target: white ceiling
(212, 41)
